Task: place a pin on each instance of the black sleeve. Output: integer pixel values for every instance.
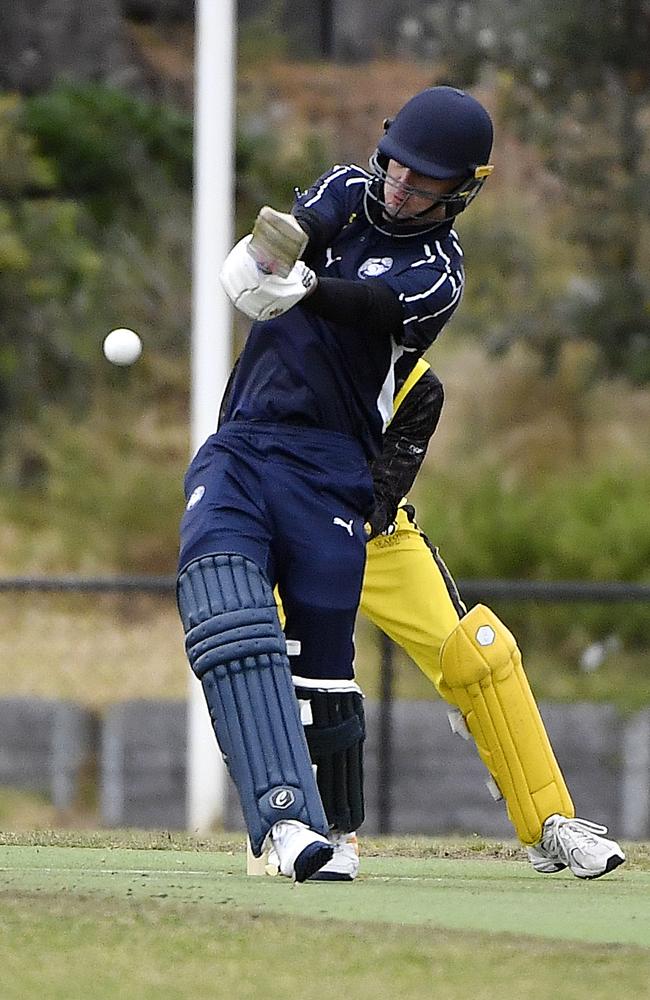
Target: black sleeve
(404, 447)
(356, 303)
(351, 303)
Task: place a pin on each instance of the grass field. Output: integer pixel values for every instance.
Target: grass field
(125, 915)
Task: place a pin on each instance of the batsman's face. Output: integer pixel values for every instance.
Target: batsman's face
(407, 193)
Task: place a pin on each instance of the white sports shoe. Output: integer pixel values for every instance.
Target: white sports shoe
(344, 866)
(299, 851)
(576, 844)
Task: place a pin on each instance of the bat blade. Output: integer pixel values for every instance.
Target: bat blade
(277, 241)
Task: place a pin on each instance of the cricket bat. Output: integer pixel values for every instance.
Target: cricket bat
(277, 241)
(258, 866)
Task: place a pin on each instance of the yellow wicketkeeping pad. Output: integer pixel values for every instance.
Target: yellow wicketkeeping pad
(481, 664)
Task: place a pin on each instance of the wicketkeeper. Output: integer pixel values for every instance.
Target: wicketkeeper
(470, 657)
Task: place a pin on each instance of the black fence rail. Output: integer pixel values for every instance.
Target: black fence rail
(550, 591)
(89, 585)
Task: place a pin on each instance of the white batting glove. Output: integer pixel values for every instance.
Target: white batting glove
(258, 295)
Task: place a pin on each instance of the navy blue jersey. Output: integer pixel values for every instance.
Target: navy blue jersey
(304, 370)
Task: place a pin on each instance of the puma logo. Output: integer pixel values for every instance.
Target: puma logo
(344, 524)
(330, 259)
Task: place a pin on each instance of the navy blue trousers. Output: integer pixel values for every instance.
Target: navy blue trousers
(293, 500)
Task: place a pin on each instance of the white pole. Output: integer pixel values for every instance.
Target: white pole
(211, 325)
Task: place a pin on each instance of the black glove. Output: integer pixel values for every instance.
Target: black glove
(382, 517)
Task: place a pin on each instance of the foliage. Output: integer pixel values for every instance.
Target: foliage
(262, 36)
(572, 81)
(269, 167)
(94, 233)
(113, 480)
(588, 524)
(522, 283)
(586, 79)
(109, 149)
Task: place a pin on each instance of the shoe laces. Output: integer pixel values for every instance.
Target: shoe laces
(584, 834)
(343, 838)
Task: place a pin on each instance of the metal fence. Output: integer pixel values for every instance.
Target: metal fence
(551, 591)
(136, 691)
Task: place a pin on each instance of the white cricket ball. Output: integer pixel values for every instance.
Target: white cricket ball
(122, 346)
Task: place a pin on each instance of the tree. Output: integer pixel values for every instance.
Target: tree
(94, 233)
(586, 81)
(573, 82)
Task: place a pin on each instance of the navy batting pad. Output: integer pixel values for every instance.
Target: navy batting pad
(236, 647)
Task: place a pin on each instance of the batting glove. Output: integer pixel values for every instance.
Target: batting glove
(258, 295)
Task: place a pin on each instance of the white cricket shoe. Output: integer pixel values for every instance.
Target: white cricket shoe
(300, 851)
(576, 844)
(344, 866)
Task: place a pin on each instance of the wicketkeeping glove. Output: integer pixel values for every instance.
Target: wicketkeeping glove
(381, 520)
(258, 295)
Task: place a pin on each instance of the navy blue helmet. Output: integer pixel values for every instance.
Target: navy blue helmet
(442, 133)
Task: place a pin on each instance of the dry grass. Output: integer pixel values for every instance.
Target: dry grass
(345, 104)
(502, 413)
(23, 812)
(100, 649)
(92, 649)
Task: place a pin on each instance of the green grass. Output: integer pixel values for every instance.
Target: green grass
(139, 915)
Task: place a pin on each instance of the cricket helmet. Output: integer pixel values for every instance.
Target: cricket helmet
(442, 133)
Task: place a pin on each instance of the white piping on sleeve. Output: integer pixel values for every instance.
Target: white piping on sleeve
(444, 256)
(458, 291)
(427, 292)
(337, 172)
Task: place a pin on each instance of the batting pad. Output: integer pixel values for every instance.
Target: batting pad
(481, 663)
(333, 717)
(236, 648)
